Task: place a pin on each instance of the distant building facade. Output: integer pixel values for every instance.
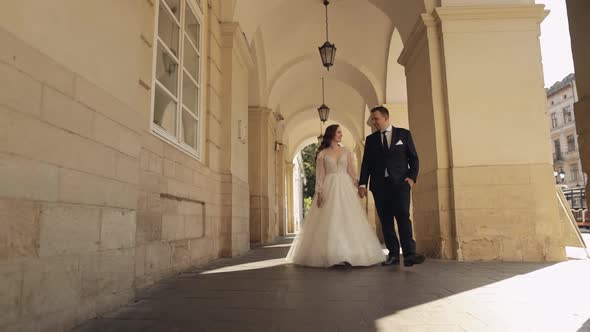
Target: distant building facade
(561, 98)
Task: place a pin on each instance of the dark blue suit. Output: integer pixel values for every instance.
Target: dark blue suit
(392, 194)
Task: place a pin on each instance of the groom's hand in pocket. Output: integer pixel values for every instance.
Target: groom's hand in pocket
(320, 200)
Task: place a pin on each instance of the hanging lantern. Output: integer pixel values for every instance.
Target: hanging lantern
(327, 50)
(328, 53)
(323, 112)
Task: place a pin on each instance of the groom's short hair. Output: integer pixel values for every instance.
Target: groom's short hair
(381, 109)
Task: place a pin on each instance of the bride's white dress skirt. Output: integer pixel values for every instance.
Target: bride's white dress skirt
(338, 231)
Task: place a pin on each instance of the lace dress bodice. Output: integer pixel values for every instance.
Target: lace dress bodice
(334, 163)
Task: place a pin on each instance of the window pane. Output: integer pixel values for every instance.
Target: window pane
(189, 129)
(191, 60)
(571, 143)
(168, 30)
(165, 111)
(567, 114)
(557, 146)
(167, 70)
(190, 94)
(192, 27)
(174, 6)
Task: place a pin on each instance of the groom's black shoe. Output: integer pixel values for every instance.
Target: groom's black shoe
(414, 259)
(391, 260)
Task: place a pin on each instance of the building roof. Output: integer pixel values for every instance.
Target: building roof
(560, 85)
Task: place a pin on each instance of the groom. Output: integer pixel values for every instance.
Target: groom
(391, 161)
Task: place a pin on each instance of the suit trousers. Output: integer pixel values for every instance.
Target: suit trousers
(394, 202)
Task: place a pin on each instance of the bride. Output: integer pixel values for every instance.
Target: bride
(336, 230)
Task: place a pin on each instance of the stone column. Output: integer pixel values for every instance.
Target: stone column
(236, 61)
(281, 189)
(477, 113)
(290, 198)
(261, 157)
(578, 13)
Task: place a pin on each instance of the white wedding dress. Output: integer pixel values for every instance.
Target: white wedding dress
(338, 231)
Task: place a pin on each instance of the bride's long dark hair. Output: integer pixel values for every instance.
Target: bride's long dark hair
(327, 139)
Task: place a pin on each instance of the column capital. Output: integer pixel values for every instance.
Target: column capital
(487, 12)
(431, 25)
(416, 41)
(232, 37)
(260, 110)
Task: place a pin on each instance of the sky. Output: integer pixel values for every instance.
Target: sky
(555, 42)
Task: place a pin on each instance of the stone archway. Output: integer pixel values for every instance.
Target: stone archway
(485, 189)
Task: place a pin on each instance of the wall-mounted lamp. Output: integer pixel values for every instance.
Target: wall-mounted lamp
(278, 116)
(278, 145)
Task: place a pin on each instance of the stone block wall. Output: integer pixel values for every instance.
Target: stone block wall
(93, 205)
(69, 155)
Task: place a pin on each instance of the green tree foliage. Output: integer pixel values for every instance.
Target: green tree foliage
(306, 204)
(308, 156)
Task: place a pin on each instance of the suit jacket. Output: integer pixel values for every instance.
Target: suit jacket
(400, 160)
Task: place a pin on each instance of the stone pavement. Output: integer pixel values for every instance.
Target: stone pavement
(258, 292)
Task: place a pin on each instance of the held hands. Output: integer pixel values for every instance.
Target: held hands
(320, 200)
(362, 192)
(410, 182)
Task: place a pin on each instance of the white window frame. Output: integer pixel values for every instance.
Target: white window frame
(195, 7)
(567, 111)
(557, 148)
(554, 121)
(573, 147)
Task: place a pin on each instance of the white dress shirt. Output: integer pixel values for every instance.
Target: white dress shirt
(388, 135)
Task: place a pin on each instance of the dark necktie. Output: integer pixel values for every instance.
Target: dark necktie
(385, 145)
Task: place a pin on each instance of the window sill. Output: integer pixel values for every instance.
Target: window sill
(162, 134)
(567, 125)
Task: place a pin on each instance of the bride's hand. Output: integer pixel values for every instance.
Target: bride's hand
(362, 191)
(320, 200)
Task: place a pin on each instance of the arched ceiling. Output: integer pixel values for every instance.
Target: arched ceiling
(307, 70)
(346, 107)
(284, 36)
(361, 44)
(253, 13)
